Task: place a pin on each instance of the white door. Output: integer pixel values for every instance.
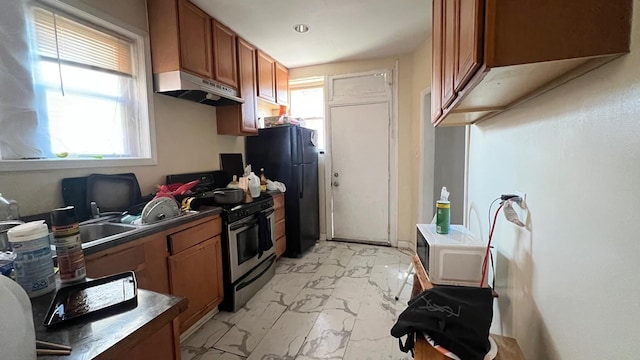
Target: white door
(360, 172)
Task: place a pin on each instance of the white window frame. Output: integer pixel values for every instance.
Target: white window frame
(313, 83)
(142, 46)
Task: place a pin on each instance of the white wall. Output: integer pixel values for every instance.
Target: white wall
(186, 136)
(448, 169)
(568, 285)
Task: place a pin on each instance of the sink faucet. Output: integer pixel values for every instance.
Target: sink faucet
(8, 209)
(95, 210)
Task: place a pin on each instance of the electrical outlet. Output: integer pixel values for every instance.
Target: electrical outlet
(523, 196)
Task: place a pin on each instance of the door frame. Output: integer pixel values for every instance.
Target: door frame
(393, 147)
(423, 193)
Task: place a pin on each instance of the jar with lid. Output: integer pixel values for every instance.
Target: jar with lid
(33, 263)
(66, 238)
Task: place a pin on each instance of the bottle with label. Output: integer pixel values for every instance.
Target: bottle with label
(33, 264)
(443, 212)
(66, 238)
(263, 181)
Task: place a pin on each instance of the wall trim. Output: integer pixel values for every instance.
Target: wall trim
(392, 99)
(405, 245)
(421, 159)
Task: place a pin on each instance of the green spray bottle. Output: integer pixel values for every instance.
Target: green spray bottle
(443, 212)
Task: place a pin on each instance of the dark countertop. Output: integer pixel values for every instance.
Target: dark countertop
(109, 336)
(145, 230)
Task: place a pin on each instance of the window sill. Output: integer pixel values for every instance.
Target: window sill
(54, 164)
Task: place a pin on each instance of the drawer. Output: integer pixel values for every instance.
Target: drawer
(187, 238)
(279, 215)
(278, 201)
(281, 246)
(279, 229)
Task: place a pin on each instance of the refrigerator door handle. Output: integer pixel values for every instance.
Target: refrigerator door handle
(300, 148)
(301, 181)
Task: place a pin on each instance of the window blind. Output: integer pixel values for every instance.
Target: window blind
(63, 39)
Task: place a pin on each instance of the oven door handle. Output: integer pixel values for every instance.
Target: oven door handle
(247, 224)
(244, 284)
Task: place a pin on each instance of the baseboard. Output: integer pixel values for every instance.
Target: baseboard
(405, 245)
(198, 324)
(323, 237)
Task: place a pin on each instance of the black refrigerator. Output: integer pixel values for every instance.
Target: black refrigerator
(288, 154)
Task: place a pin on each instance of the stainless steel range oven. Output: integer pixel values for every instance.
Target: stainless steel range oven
(250, 261)
(245, 252)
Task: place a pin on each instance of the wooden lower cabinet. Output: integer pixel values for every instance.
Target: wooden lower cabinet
(185, 261)
(146, 257)
(196, 273)
(162, 345)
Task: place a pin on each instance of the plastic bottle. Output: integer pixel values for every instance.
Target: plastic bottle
(254, 185)
(443, 212)
(66, 238)
(33, 264)
(234, 183)
(18, 340)
(263, 181)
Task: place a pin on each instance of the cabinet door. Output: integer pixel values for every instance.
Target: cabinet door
(159, 346)
(147, 258)
(224, 54)
(195, 39)
(282, 84)
(266, 77)
(448, 53)
(436, 65)
(196, 274)
(469, 18)
(247, 75)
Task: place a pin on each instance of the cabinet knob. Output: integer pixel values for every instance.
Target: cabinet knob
(336, 184)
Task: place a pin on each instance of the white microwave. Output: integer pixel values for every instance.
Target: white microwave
(451, 259)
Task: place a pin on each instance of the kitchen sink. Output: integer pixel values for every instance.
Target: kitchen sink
(92, 232)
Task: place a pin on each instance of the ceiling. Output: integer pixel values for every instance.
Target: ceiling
(339, 29)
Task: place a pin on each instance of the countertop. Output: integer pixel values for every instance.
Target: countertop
(109, 336)
(146, 230)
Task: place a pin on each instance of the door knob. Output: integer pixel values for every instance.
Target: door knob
(335, 183)
(335, 174)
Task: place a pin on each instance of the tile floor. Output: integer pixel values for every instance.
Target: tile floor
(336, 302)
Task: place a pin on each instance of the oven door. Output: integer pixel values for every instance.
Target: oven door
(244, 249)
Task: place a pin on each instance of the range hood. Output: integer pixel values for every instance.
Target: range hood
(186, 86)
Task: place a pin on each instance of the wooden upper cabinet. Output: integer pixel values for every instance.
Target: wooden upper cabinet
(448, 52)
(266, 77)
(495, 55)
(436, 64)
(282, 84)
(248, 86)
(224, 55)
(195, 39)
(469, 24)
(242, 119)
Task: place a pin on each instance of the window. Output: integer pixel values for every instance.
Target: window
(308, 103)
(89, 90)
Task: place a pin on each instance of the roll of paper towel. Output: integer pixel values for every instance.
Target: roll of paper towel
(18, 339)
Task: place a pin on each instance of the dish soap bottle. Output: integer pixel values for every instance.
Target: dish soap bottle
(443, 212)
(263, 181)
(234, 183)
